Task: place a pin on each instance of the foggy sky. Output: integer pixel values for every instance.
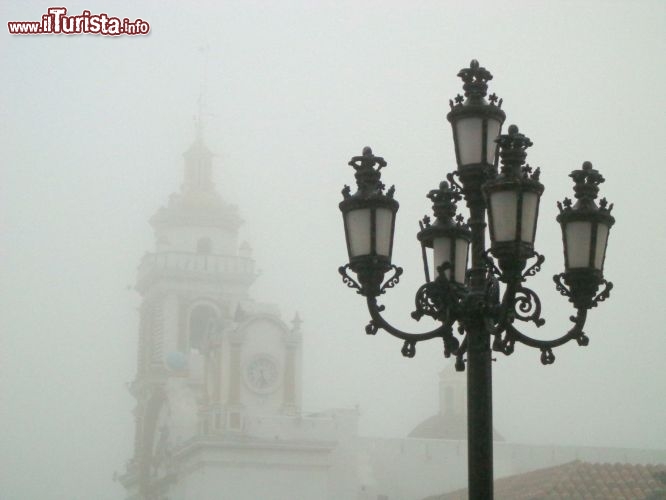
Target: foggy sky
(93, 131)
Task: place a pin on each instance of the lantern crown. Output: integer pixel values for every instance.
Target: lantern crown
(368, 178)
(513, 150)
(444, 201)
(586, 188)
(586, 185)
(475, 80)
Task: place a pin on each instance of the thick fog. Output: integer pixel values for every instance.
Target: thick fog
(93, 131)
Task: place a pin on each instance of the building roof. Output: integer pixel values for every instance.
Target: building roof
(445, 426)
(580, 480)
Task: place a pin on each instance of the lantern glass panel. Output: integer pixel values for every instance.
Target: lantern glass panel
(529, 215)
(470, 136)
(504, 206)
(383, 229)
(358, 232)
(600, 251)
(441, 254)
(461, 260)
(491, 146)
(577, 236)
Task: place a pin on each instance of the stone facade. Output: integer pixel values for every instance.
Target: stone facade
(219, 380)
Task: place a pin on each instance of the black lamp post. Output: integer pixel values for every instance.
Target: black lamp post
(472, 296)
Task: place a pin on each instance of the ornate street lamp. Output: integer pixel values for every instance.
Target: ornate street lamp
(369, 217)
(487, 297)
(448, 239)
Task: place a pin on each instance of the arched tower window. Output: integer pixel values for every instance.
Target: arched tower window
(204, 246)
(203, 323)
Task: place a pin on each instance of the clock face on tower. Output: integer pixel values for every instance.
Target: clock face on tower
(262, 374)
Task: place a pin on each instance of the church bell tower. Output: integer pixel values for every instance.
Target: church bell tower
(211, 362)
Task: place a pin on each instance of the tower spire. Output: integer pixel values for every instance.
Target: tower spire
(198, 158)
(198, 119)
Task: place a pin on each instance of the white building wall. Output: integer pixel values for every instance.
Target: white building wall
(254, 470)
(254, 482)
(412, 469)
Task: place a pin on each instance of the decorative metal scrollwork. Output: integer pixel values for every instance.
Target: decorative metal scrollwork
(527, 306)
(504, 345)
(348, 280)
(560, 286)
(451, 177)
(409, 349)
(389, 283)
(377, 322)
(604, 294)
(393, 280)
(536, 267)
(547, 356)
(509, 347)
(426, 302)
(583, 340)
(438, 299)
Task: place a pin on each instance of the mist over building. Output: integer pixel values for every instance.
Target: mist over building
(218, 387)
(93, 133)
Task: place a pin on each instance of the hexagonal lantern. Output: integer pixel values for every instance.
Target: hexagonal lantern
(369, 221)
(448, 239)
(513, 203)
(585, 229)
(476, 123)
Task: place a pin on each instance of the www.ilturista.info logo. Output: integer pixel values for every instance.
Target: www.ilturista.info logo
(57, 22)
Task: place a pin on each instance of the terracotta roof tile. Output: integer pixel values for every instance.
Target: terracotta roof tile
(580, 481)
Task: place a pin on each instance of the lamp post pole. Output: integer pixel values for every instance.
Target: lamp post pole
(479, 373)
(487, 298)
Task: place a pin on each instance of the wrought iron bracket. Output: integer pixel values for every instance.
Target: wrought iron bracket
(603, 294)
(439, 299)
(518, 303)
(565, 290)
(451, 177)
(536, 267)
(348, 280)
(393, 280)
(506, 344)
(527, 306)
(377, 322)
(560, 286)
(371, 290)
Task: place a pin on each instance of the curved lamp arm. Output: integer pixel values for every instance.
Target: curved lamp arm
(546, 346)
(519, 302)
(410, 339)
